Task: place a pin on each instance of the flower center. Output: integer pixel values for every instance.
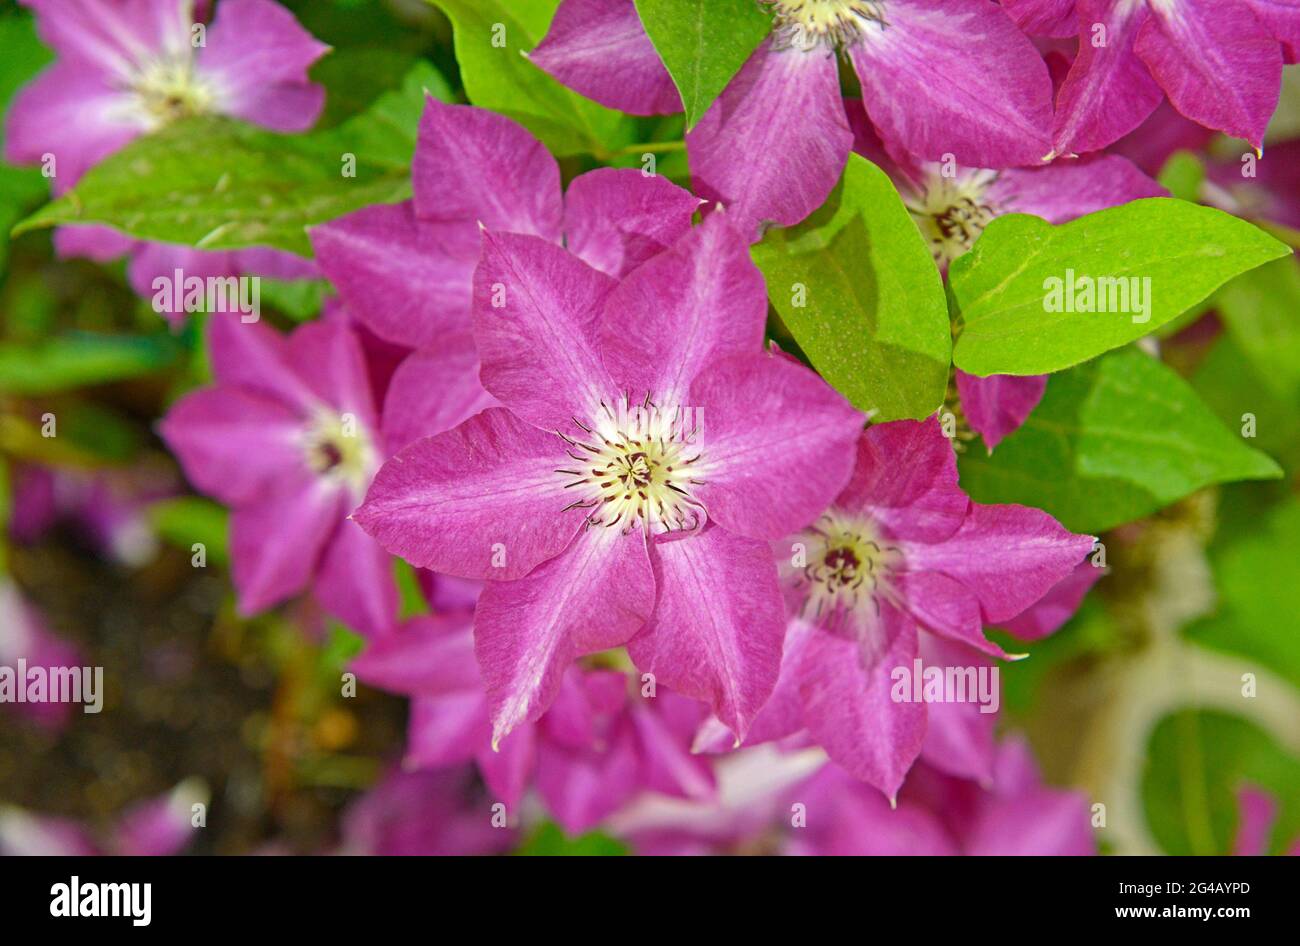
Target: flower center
(834, 24)
(953, 211)
(848, 564)
(169, 89)
(634, 469)
(338, 449)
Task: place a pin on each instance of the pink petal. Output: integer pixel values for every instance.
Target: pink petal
(253, 356)
(1044, 823)
(1008, 556)
(233, 444)
(997, 405)
(406, 280)
(774, 143)
(595, 596)
(776, 444)
(782, 714)
(484, 492)
(475, 166)
(845, 688)
(355, 583)
(905, 478)
(617, 218)
(701, 300)
(76, 115)
(947, 607)
(600, 49)
(176, 264)
(718, 624)
(159, 827)
(276, 542)
(429, 656)
(111, 36)
(510, 767)
(258, 55)
(1282, 17)
(582, 787)
(101, 244)
(1043, 17)
(1067, 189)
(956, 76)
(1108, 91)
(434, 390)
(959, 736)
(664, 728)
(1217, 62)
(445, 730)
(538, 349)
(1046, 616)
(328, 357)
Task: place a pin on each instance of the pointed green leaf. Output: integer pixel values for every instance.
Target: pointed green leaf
(703, 43)
(857, 287)
(1022, 292)
(1113, 440)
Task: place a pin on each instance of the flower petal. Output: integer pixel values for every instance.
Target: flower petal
(258, 54)
(1108, 91)
(617, 218)
(905, 478)
(1043, 17)
(774, 143)
(945, 606)
(718, 624)
(111, 37)
(776, 444)
(1008, 556)
(355, 582)
(475, 166)
(406, 280)
(276, 542)
(959, 735)
(599, 48)
(328, 357)
(480, 501)
(1045, 616)
(445, 730)
(426, 656)
(535, 310)
(1217, 62)
(253, 356)
(595, 596)
(233, 444)
(956, 77)
(434, 390)
(846, 691)
(1067, 189)
(699, 301)
(997, 405)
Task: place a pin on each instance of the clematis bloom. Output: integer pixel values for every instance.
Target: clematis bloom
(1219, 63)
(126, 68)
(290, 437)
(939, 77)
(646, 450)
(903, 565)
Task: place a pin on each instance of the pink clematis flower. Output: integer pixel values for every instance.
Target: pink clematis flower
(289, 438)
(939, 77)
(647, 449)
(1219, 63)
(1256, 813)
(952, 209)
(405, 269)
(129, 67)
(903, 565)
(597, 746)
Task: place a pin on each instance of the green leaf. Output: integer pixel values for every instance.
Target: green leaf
(385, 133)
(873, 318)
(80, 359)
(550, 841)
(1232, 387)
(219, 184)
(185, 520)
(703, 43)
(1262, 313)
(1113, 440)
(1183, 175)
(1257, 579)
(1197, 762)
(501, 78)
(300, 299)
(24, 55)
(413, 602)
(1010, 289)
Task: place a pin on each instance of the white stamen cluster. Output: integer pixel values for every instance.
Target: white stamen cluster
(848, 566)
(952, 212)
(170, 89)
(337, 448)
(832, 24)
(634, 469)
